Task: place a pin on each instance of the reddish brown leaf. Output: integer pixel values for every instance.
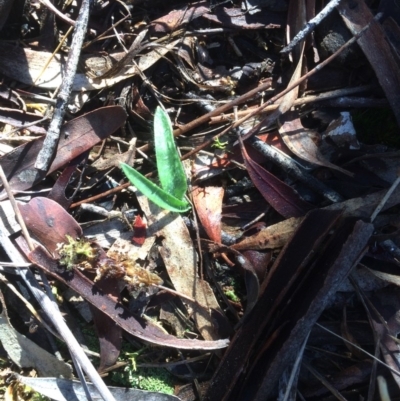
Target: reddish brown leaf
(139, 231)
(139, 108)
(275, 236)
(108, 332)
(77, 136)
(57, 193)
(208, 203)
(259, 261)
(280, 196)
(49, 222)
(110, 338)
(40, 216)
(134, 325)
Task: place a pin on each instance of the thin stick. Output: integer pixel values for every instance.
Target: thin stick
(300, 101)
(53, 54)
(386, 197)
(16, 209)
(48, 150)
(29, 307)
(310, 25)
(203, 119)
(395, 371)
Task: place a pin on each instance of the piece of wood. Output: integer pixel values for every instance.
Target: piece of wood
(306, 274)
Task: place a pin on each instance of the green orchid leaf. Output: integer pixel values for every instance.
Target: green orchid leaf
(169, 166)
(157, 195)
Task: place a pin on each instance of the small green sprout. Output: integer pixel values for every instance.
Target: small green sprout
(231, 295)
(132, 356)
(218, 144)
(171, 194)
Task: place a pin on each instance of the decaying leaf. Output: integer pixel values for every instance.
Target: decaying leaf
(134, 325)
(106, 303)
(175, 19)
(276, 235)
(342, 132)
(181, 262)
(49, 223)
(208, 202)
(300, 142)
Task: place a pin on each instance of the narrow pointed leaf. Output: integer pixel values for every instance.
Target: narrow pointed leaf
(153, 192)
(280, 196)
(170, 170)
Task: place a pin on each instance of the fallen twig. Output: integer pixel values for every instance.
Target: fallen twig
(46, 154)
(310, 26)
(290, 167)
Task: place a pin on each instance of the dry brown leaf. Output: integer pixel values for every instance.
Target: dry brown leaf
(208, 203)
(300, 142)
(181, 262)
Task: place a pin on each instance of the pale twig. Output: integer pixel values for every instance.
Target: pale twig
(53, 54)
(48, 150)
(29, 307)
(102, 36)
(11, 264)
(338, 93)
(386, 197)
(16, 209)
(310, 25)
